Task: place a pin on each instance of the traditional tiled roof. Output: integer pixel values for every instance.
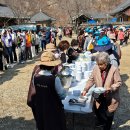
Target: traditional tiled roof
(39, 17)
(94, 15)
(121, 7)
(5, 11)
(97, 15)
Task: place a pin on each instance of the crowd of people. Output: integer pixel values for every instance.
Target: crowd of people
(102, 43)
(18, 46)
(46, 90)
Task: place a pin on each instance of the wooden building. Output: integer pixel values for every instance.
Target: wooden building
(42, 19)
(98, 17)
(6, 16)
(122, 12)
(79, 19)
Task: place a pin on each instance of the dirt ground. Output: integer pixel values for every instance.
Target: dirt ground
(16, 115)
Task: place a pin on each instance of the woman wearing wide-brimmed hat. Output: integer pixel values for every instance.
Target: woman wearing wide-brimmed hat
(45, 94)
(50, 47)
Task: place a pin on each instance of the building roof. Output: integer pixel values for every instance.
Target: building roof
(6, 12)
(94, 15)
(80, 16)
(39, 17)
(124, 5)
(97, 15)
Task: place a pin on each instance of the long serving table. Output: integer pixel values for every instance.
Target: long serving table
(87, 109)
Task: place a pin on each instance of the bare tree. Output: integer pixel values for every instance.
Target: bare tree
(62, 10)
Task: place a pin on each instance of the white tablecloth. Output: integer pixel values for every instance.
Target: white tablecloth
(75, 108)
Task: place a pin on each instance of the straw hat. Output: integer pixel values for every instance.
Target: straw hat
(50, 47)
(48, 59)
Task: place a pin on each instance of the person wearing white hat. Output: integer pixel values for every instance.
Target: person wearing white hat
(88, 38)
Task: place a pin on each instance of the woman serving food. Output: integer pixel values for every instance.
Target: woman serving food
(108, 77)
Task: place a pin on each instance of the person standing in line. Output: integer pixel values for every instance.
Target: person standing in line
(88, 38)
(81, 39)
(1, 55)
(48, 35)
(45, 95)
(71, 32)
(111, 34)
(53, 37)
(13, 35)
(126, 37)
(59, 33)
(37, 43)
(104, 44)
(21, 44)
(43, 40)
(121, 36)
(28, 46)
(7, 41)
(33, 42)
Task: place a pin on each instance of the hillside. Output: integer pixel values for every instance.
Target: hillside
(62, 10)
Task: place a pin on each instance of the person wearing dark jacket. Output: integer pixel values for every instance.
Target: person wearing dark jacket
(48, 36)
(1, 55)
(63, 46)
(45, 94)
(73, 51)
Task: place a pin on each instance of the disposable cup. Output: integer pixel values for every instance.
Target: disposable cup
(88, 65)
(78, 75)
(87, 74)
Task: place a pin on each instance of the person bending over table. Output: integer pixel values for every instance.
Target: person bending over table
(105, 75)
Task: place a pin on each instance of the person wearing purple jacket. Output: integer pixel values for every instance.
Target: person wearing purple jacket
(13, 36)
(7, 41)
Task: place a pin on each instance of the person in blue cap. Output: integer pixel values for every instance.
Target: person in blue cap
(87, 29)
(104, 45)
(96, 35)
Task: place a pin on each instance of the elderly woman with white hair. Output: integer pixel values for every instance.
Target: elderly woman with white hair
(107, 76)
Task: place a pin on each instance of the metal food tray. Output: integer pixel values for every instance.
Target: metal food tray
(82, 104)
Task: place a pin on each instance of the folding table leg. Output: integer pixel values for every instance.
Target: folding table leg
(73, 121)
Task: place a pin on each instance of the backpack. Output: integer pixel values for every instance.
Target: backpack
(90, 45)
(33, 41)
(117, 57)
(19, 40)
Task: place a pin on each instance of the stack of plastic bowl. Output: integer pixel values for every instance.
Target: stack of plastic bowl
(88, 63)
(78, 70)
(84, 66)
(87, 74)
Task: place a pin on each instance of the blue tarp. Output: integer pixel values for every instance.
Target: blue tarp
(92, 21)
(113, 20)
